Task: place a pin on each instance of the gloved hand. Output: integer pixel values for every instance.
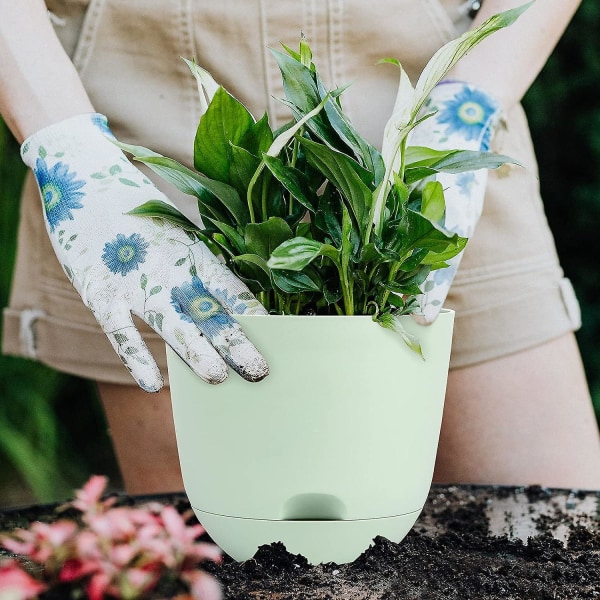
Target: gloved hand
(122, 264)
(465, 119)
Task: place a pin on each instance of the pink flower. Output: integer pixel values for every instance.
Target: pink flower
(118, 552)
(87, 499)
(17, 584)
(42, 541)
(202, 585)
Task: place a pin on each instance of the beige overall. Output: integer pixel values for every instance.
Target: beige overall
(509, 294)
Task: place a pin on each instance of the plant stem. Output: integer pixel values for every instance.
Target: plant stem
(253, 181)
(264, 195)
(393, 271)
(347, 290)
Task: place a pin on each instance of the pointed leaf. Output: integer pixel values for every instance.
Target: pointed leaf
(447, 56)
(232, 234)
(225, 122)
(162, 210)
(292, 282)
(297, 253)
(263, 238)
(294, 180)
(212, 195)
(389, 321)
(207, 86)
(345, 174)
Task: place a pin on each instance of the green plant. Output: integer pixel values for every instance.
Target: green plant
(312, 217)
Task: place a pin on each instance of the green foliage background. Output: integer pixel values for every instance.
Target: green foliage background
(52, 431)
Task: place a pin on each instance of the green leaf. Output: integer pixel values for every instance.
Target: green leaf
(447, 56)
(207, 86)
(347, 249)
(343, 172)
(297, 253)
(368, 156)
(224, 123)
(212, 195)
(456, 161)
(232, 234)
(143, 281)
(328, 216)
(292, 282)
(258, 138)
(159, 320)
(424, 233)
(242, 167)
(389, 321)
(162, 210)
(155, 290)
(252, 266)
(460, 161)
(303, 230)
(263, 238)
(115, 169)
(294, 180)
(433, 204)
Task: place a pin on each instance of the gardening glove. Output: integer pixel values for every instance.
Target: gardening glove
(122, 264)
(465, 119)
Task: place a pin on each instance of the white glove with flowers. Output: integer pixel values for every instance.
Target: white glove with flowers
(465, 119)
(122, 264)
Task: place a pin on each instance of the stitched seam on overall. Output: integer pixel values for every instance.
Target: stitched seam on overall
(186, 19)
(309, 23)
(336, 57)
(444, 31)
(87, 39)
(264, 36)
(508, 269)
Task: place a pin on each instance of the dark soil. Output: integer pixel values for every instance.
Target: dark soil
(469, 543)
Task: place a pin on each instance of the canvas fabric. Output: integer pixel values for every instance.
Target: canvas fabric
(510, 293)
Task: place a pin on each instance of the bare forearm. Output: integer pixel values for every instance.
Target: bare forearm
(38, 83)
(507, 63)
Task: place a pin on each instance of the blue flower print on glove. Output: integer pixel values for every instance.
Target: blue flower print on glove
(59, 190)
(468, 113)
(196, 305)
(125, 254)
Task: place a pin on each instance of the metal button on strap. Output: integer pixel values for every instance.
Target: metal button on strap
(470, 7)
(475, 5)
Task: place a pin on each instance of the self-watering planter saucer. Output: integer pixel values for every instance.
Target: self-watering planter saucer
(318, 541)
(335, 447)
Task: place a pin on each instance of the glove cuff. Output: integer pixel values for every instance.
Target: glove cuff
(65, 135)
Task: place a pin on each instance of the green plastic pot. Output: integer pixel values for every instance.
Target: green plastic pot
(336, 446)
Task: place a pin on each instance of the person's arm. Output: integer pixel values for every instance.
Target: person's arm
(39, 85)
(506, 64)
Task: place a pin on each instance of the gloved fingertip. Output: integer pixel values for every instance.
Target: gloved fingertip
(419, 318)
(215, 374)
(152, 387)
(427, 317)
(254, 370)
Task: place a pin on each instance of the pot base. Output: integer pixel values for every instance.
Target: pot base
(318, 541)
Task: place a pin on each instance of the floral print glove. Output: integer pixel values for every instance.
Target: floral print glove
(122, 264)
(465, 119)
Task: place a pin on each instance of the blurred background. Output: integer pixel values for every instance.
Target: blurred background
(52, 429)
